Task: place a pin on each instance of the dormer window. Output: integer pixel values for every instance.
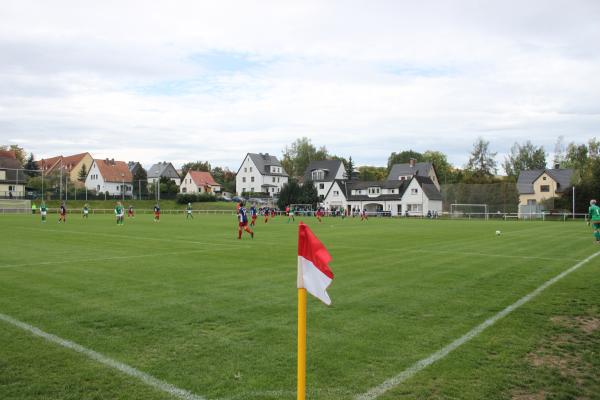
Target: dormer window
(318, 175)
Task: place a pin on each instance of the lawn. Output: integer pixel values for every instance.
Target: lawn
(189, 304)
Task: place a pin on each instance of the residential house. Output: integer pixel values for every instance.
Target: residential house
(71, 165)
(110, 176)
(537, 185)
(199, 182)
(415, 196)
(260, 173)
(12, 176)
(163, 170)
(323, 173)
(413, 168)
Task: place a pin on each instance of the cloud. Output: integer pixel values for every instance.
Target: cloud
(211, 81)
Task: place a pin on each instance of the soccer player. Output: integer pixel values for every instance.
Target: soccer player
(290, 211)
(363, 215)
(63, 213)
(253, 215)
(156, 213)
(594, 215)
(266, 213)
(43, 211)
(86, 211)
(130, 213)
(318, 214)
(189, 211)
(119, 213)
(243, 221)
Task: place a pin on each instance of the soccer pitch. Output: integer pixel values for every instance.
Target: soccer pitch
(192, 306)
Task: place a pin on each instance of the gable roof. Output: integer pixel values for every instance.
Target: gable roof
(11, 165)
(114, 171)
(202, 178)
(331, 167)
(68, 162)
(528, 177)
(163, 169)
(429, 188)
(7, 154)
(419, 169)
(264, 161)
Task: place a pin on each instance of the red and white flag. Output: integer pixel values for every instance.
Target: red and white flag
(314, 274)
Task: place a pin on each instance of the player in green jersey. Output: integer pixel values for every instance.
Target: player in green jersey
(86, 211)
(594, 218)
(189, 211)
(43, 211)
(119, 213)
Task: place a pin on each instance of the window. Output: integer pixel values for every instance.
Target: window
(252, 179)
(98, 187)
(545, 188)
(318, 175)
(252, 190)
(336, 193)
(321, 186)
(277, 179)
(244, 179)
(414, 191)
(250, 169)
(245, 169)
(184, 190)
(273, 179)
(531, 202)
(243, 190)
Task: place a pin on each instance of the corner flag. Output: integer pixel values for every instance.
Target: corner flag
(314, 277)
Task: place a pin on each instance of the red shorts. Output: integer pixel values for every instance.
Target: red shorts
(243, 224)
(157, 214)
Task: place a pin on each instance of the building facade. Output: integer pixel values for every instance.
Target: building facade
(111, 177)
(260, 173)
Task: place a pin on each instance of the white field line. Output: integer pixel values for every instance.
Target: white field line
(94, 259)
(102, 359)
(438, 355)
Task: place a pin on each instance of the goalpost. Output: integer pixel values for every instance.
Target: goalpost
(469, 211)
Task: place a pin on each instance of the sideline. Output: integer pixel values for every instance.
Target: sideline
(440, 354)
(102, 359)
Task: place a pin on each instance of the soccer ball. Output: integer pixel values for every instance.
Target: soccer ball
(498, 233)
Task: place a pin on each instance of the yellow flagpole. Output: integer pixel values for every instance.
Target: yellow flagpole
(301, 393)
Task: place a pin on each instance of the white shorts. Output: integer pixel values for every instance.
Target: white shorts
(43, 213)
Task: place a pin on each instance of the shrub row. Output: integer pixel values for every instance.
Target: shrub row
(194, 198)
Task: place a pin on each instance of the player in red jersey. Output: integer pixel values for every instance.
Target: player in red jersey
(243, 221)
(63, 214)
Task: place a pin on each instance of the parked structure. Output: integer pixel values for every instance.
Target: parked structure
(323, 173)
(260, 173)
(110, 176)
(199, 182)
(538, 185)
(413, 168)
(163, 170)
(71, 165)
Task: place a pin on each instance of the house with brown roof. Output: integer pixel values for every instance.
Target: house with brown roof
(199, 182)
(70, 165)
(110, 176)
(538, 185)
(12, 176)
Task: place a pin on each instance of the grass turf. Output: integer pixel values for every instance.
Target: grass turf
(188, 303)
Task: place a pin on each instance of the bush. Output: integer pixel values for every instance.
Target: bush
(184, 198)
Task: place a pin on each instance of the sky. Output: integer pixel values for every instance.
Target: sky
(212, 80)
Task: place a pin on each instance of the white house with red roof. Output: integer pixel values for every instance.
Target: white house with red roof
(110, 176)
(199, 182)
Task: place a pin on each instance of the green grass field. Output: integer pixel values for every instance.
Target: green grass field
(188, 303)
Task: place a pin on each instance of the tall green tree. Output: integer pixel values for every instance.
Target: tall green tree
(195, 166)
(31, 166)
(482, 162)
(82, 173)
(524, 157)
(369, 173)
(290, 194)
(442, 167)
(225, 178)
(349, 167)
(308, 194)
(403, 157)
(299, 154)
(140, 182)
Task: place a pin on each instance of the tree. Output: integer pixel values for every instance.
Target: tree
(225, 178)
(140, 182)
(194, 166)
(369, 173)
(524, 157)
(82, 173)
(349, 167)
(442, 167)
(167, 185)
(296, 157)
(290, 194)
(18, 150)
(31, 166)
(403, 157)
(308, 194)
(482, 162)
(559, 151)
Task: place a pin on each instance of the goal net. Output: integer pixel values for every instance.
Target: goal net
(469, 211)
(15, 206)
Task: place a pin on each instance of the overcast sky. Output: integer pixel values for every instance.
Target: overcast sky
(212, 80)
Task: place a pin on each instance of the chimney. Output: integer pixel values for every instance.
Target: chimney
(412, 162)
